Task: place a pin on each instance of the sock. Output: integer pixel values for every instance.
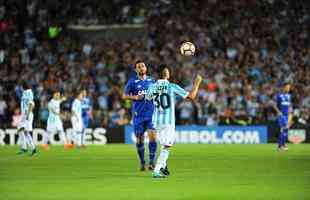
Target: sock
(46, 137)
(79, 139)
(285, 134)
(63, 137)
(152, 150)
(22, 140)
(282, 137)
(162, 160)
(82, 137)
(140, 150)
(30, 141)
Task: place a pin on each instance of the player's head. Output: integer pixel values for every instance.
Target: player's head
(84, 91)
(140, 68)
(25, 85)
(79, 94)
(56, 94)
(287, 87)
(163, 71)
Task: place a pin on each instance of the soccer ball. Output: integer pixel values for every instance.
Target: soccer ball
(187, 49)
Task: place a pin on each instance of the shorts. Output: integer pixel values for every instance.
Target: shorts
(77, 124)
(54, 127)
(25, 123)
(283, 121)
(166, 135)
(85, 122)
(142, 125)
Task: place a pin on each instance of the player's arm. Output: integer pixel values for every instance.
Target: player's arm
(273, 104)
(63, 99)
(193, 93)
(30, 108)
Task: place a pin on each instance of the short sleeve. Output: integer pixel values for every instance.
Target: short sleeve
(179, 91)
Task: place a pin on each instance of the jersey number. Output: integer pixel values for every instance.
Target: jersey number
(162, 100)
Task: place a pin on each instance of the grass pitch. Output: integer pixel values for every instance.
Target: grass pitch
(197, 172)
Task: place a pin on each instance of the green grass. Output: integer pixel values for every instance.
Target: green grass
(198, 172)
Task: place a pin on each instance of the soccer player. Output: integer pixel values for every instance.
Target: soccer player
(163, 93)
(86, 112)
(54, 123)
(142, 111)
(25, 125)
(76, 118)
(283, 109)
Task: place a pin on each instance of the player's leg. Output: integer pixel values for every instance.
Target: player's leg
(166, 138)
(283, 133)
(62, 136)
(152, 148)
(47, 134)
(152, 143)
(21, 141)
(161, 161)
(28, 136)
(46, 139)
(30, 142)
(85, 125)
(139, 130)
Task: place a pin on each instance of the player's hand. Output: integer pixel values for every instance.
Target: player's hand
(63, 98)
(280, 114)
(138, 97)
(198, 79)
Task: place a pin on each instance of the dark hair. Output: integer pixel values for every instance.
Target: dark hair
(25, 85)
(285, 83)
(55, 91)
(160, 70)
(137, 62)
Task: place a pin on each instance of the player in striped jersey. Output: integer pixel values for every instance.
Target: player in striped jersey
(25, 125)
(163, 93)
(76, 118)
(54, 123)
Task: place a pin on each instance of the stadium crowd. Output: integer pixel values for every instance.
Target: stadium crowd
(245, 51)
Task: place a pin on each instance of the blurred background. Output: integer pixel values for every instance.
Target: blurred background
(245, 50)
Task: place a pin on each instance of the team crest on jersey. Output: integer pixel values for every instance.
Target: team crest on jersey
(139, 86)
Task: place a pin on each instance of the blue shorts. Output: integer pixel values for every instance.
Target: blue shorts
(85, 122)
(142, 125)
(283, 121)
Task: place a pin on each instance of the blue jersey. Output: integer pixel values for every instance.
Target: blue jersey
(164, 94)
(142, 108)
(284, 103)
(86, 106)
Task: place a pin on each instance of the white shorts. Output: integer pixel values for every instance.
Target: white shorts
(77, 124)
(54, 127)
(166, 135)
(25, 123)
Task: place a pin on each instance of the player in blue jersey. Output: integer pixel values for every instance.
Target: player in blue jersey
(25, 125)
(86, 113)
(163, 93)
(142, 111)
(283, 109)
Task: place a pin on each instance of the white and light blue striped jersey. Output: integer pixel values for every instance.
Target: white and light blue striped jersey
(26, 100)
(54, 107)
(163, 93)
(77, 108)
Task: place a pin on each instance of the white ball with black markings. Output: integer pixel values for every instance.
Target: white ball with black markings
(187, 49)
